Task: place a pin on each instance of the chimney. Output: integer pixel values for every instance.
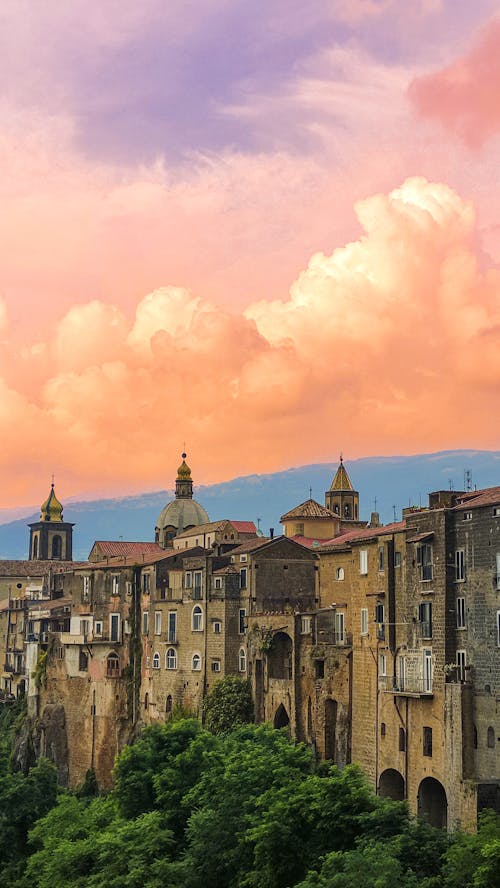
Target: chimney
(271, 532)
(374, 520)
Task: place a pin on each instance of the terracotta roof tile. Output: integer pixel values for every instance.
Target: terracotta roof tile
(366, 533)
(36, 568)
(244, 526)
(489, 496)
(122, 547)
(309, 509)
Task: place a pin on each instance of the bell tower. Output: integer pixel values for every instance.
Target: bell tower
(51, 538)
(341, 498)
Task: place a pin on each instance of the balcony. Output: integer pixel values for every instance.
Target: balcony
(70, 638)
(415, 687)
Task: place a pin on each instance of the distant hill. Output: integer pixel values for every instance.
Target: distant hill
(395, 482)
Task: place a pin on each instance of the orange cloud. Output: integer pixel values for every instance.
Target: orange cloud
(391, 343)
(464, 96)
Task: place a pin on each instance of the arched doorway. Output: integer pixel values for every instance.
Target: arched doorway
(280, 657)
(391, 785)
(281, 718)
(432, 802)
(330, 729)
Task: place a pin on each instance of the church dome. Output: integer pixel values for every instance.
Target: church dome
(181, 513)
(51, 509)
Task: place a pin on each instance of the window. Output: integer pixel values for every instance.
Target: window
(299, 530)
(474, 736)
(427, 741)
(98, 628)
(215, 665)
(427, 671)
(146, 583)
(379, 613)
(156, 660)
(145, 622)
(397, 559)
(460, 565)
(424, 561)
(83, 661)
(243, 559)
(382, 668)
(363, 561)
(197, 584)
(383, 729)
(197, 619)
(461, 664)
(496, 512)
(490, 738)
(425, 618)
(467, 516)
(340, 573)
(242, 621)
(114, 627)
(498, 628)
(243, 578)
(115, 584)
(340, 628)
(497, 577)
(189, 579)
(128, 587)
(218, 583)
(242, 660)
(172, 627)
(171, 659)
(86, 588)
(217, 627)
(196, 663)
(168, 704)
(364, 621)
(56, 547)
(381, 558)
(402, 674)
(319, 668)
(402, 740)
(112, 665)
(305, 625)
(157, 622)
(461, 614)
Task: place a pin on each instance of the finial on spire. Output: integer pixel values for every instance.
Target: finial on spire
(341, 457)
(310, 492)
(52, 479)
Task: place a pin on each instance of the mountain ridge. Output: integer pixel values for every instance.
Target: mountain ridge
(393, 481)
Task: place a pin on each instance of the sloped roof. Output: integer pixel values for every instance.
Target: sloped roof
(244, 526)
(309, 509)
(36, 568)
(144, 558)
(360, 534)
(113, 548)
(208, 527)
(341, 479)
(489, 496)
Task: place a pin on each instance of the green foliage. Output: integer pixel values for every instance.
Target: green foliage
(11, 717)
(241, 809)
(89, 787)
(23, 800)
(40, 673)
(228, 704)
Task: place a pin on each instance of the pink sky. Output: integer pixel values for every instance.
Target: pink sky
(267, 233)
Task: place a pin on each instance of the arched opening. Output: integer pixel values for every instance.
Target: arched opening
(490, 738)
(280, 657)
(432, 802)
(112, 666)
(21, 688)
(330, 729)
(56, 546)
(391, 785)
(281, 719)
(35, 549)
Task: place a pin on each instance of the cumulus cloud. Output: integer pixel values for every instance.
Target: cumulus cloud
(463, 96)
(373, 350)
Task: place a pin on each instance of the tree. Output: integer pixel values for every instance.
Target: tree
(228, 705)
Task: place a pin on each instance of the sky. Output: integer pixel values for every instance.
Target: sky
(266, 232)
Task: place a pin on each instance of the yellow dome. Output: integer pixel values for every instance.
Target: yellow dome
(51, 509)
(183, 472)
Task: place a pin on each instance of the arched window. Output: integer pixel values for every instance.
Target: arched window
(196, 663)
(171, 659)
(340, 573)
(490, 738)
(402, 739)
(242, 660)
(35, 548)
(112, 665)
(56, 546)
(156, 660)
(197, 619)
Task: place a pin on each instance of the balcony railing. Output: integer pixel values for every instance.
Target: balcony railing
(410, 687)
